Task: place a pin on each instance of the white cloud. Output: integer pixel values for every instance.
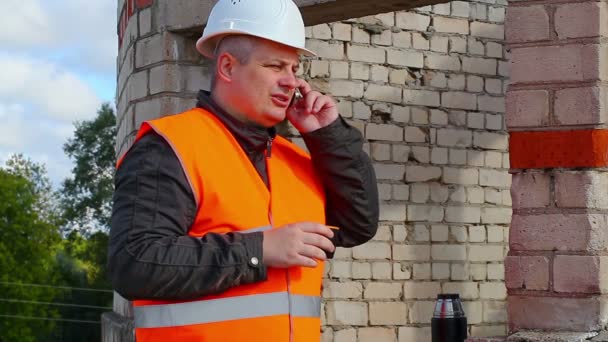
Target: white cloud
(25, 23)
(60, 94)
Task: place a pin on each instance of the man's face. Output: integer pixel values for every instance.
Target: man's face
(263, 87)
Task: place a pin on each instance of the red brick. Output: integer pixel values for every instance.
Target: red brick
(553, 313)
(579, 273)
(581, 189)
(562, 232)
(578, 20)
(581, 106)
(527, 108)
(527, 272)
(144, 3)
(566, 63)
(526, 24)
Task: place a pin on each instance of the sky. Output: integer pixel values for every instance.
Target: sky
(57, 66)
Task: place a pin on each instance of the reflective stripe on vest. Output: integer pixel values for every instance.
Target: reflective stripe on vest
(225, 309)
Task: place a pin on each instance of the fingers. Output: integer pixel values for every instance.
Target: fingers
(318, 241)
(317, 228)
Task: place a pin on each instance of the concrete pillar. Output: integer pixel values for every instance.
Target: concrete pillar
(556, 113)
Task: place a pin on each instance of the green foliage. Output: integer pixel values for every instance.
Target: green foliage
(86, 196)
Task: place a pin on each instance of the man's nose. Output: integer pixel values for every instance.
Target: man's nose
(289, 80)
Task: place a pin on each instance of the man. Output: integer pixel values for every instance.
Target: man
(220, 227)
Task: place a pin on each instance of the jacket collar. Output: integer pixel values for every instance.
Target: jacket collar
(251, 138)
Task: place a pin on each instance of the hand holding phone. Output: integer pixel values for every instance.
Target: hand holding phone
(310, 110)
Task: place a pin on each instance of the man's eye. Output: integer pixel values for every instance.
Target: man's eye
(275, 66)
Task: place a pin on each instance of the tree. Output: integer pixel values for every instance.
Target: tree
(28, 239)
(86, 196)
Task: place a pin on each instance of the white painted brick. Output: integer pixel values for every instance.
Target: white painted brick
(460, 100)
(497, 178)
(372, 250)
(494, 122)
(412, 21)
(460, 176)
(420, 192)
(422, 312)
(493, 196)
(506, 198)
(478, 271)
(382, 291)
(496, 14)
(414, 134)
(458, 156)
(420, 42)
(377, 335)
(463, 214)
(439, 193)
(439, 44)
(401, 153)
(460, 272)
(425, 213)
(361, 111)
(344, 335)
(491, 103)
(389, 171)
(360, 35)
(503, 68)
(383, 93)
(338, 70)
(145, 21)
(486, 30)
(381, 151)
(459, 233)
(477, 234)
(461, 9)
(474, 65)
(421, 154)
(420, 116)
(346, 88)
(458, 45)
(494, 290)
(475, 195)
(492, 141)
(421, 233)
(398, 76)
(322, 31)
(440, 271)
(323, 49)
(401, 272)
(451, 25)
(387, 19)
(385, 38)
(422, 271)
(405, 58)
(493, 159)
(383, 132)
(366, 54)
(496, 215)
(319, 68)
(479, 11)
(421, 97)
(439, 155)
(336, 290)
(401, 192)
(439, 233)
(475, 47)
(346, 313)
(421, 290)
(340, 269)
(436, 79)
(442, 9)
(474, 312)
(359, 71)
(411, 252)
(496, 271)
(387, 313)
(457, 118)
(456, 82)
(454, 137)
(467, 290)
(414, 173)
(401, 114)
(494, 50)
(495, 312)
(442, 62)
(449, 252)
(476, 120)
(383, 234)
(392, 212)
(495, 234)
(381, 270)
(399, 233)
(380, 74)
(402, 40)
(361, 270)
(414, 334)
(438, 117)
(486, 253)
(475, 83)
(459, 194)
(342, 31)
(475, 158)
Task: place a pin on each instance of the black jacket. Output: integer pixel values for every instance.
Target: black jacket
(152, 257)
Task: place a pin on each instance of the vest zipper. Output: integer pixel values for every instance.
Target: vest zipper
(268, 156)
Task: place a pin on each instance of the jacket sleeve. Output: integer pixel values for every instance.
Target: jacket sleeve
(150, 254)
(349, 180)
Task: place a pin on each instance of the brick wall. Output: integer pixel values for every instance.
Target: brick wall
(426, 88)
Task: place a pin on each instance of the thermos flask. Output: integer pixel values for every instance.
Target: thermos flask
(449, 323)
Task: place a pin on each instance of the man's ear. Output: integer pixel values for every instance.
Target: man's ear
(225, 66)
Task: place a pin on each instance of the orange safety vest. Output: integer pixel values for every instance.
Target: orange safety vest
(231, 197)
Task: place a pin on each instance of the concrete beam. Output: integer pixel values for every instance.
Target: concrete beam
(191, 15)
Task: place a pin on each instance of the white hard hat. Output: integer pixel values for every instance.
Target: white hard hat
(276, 20)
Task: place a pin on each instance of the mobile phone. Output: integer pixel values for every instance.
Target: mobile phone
(297, 96)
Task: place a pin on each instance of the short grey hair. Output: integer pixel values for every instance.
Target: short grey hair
(240, 46)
